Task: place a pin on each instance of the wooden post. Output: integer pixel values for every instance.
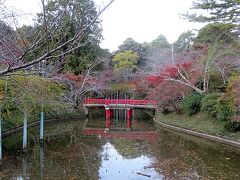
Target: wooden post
(25, 130)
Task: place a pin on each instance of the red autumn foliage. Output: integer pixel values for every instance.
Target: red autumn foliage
(169, 93)
(168, 71)
(154, 79)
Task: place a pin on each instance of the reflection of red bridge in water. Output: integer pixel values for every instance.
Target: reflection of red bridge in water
(110, 104)
(142, 135)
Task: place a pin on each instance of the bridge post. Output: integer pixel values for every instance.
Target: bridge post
(129, 117)
(108, 115)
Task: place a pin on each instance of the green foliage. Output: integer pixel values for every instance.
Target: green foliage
(192, 104)
(200, 122)
(167, 110)
(209, 103)
(125, 60)
(217, 82)
(220, 105)
(75, 15)
(233, 126)
(218, 11)
(226, 106)
(160, 42)
(131, 44)
(225, 109)
(215, 32)
(184, 42)
(28, 93)
(80, 60)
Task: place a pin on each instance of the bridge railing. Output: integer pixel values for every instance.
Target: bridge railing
(119, 101)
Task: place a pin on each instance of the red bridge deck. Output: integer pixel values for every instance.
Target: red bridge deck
(120, 103)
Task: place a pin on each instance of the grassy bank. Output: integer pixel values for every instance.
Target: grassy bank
(200, 122)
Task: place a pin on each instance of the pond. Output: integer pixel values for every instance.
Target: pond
(84, 149)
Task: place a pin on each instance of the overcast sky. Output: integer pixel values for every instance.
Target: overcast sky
(142, 20)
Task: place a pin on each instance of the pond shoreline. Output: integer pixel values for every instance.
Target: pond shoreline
(198, 134)
(32, 124)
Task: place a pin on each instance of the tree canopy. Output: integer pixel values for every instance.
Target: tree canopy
(160, 42)
(216, 31)
(227, 11)
(75, 14)
(125, 60)
(61, 30)
(184, 42)
(140, 49)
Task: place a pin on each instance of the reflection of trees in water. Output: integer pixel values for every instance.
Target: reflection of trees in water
(180, 158)
(96, 123)
(68, 154)
(75, 156)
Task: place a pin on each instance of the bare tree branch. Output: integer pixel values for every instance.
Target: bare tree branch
(20, 63)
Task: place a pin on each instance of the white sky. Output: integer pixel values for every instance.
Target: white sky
(142, 20)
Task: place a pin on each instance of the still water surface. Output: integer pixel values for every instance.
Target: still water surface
(145, 152)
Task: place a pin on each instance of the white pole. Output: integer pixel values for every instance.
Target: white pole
(25, 130)
(41, 122)
(41, 126)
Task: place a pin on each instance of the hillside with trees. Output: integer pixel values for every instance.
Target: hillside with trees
(59, 57)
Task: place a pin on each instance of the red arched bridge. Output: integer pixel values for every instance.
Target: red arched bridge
(111, 104)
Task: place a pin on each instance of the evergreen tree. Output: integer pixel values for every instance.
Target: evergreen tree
(227, 11)
(184, 42)
(74, 15)
(211, 33)
(131, 44)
